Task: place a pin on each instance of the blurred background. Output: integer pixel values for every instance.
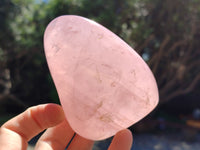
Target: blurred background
(165, 33)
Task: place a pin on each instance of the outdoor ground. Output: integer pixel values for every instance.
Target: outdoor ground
(161, 142)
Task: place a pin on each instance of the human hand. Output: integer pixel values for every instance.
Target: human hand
(15, 133)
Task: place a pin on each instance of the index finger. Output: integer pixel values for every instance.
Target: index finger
(25, 126)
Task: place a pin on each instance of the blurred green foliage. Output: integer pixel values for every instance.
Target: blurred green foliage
(165, 33)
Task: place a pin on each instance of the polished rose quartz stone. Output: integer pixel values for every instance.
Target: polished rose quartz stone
(103, 84)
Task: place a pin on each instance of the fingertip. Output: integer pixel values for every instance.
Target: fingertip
(127, 135)
(54, 112)
(122, 140)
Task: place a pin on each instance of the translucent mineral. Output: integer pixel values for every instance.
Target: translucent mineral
(104, 86)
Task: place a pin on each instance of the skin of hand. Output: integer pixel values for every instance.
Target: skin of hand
(15, 133)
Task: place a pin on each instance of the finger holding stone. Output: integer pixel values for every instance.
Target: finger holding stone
(122, 140)
(25, 126)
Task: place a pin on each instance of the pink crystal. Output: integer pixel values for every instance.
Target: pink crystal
(104, 86)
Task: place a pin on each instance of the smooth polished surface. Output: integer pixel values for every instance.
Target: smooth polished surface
(104, 86)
